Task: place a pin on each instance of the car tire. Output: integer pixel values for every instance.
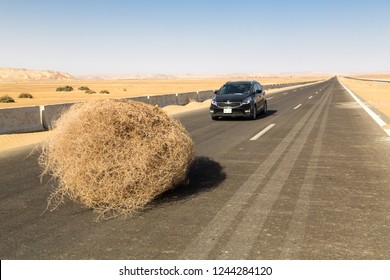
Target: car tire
(214, 118)
(265, 108)
(254, 113)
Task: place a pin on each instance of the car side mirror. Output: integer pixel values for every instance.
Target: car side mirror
(259, 90)
(215, 91)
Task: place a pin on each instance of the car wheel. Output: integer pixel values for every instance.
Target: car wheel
(214, 118)
(254, 113)
(265, 109)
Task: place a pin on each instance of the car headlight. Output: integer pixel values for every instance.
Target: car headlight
(246, 100)
(214, 102)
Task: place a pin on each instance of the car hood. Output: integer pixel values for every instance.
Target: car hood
(230, 97)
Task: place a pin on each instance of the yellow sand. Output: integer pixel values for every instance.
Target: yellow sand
(374, 76)
(12, 141)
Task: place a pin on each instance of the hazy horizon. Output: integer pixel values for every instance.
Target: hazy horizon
(151, 75)
(200, 37)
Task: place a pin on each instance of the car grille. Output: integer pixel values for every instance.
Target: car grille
(228, 104)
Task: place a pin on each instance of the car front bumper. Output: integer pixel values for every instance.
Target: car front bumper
(241, 111)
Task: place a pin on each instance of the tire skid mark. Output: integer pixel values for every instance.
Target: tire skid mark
(296, 231)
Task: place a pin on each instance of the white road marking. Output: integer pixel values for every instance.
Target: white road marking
(285, 93)
(310, 97)
(374, 116)
(258, 135)
(268, 98)
(296, 107)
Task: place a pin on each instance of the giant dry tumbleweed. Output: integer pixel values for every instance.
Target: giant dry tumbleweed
(115, 156)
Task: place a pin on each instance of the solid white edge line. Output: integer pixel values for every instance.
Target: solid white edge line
(374, 116)
(257, 136)
(296, 107)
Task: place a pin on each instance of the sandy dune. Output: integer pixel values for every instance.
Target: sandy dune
(16, 74)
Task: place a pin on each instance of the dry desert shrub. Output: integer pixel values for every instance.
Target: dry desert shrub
(25, 95)
(115, 156)
(6, 99)
(65, 88)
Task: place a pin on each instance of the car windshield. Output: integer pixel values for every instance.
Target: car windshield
(235, 89)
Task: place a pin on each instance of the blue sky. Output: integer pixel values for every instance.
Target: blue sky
(171, 36)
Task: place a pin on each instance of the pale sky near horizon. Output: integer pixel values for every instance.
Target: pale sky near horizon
(198, 36)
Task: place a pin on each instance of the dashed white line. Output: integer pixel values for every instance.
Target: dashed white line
(285, 93)
(310, 97)
(258, 135)
(296, 107)
(268, 98)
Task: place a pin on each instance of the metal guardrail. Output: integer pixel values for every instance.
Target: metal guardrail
(199, 96)
(367, 79)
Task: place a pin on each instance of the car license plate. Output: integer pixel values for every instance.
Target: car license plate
(227, 110)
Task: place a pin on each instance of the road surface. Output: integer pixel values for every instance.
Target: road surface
(313, 183)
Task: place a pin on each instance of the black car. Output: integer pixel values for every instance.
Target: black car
(239, 99)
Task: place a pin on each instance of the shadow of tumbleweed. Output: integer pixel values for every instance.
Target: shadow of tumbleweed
(204, 175)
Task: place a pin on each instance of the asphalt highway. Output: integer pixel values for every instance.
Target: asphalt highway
(308, 180)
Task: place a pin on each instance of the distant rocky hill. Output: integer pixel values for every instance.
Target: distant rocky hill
(128, 77)
(200, 75)
(16, 74)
